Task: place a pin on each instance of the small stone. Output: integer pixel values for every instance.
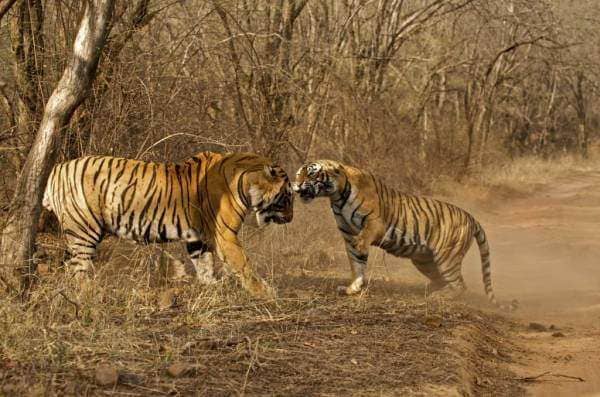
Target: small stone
(567, 357)
(434, 322)
(106, 375)
(537, 327)
(43, 269)
(129, 378)
(178, 370)
(558, 335)
(353, 361)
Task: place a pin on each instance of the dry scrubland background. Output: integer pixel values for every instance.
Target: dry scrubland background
(415, 90)
(502, 94)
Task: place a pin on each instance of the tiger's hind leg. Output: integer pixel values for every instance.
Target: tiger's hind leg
(203, 261)
(82, 249)
(451, 275)
(451, 290)
(429, 268)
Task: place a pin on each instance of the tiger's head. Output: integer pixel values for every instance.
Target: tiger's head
(318, 179)
(271, 196)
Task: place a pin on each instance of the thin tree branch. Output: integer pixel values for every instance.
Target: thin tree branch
(5, 7)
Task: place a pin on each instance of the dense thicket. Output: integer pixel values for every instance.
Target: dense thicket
(401, 86)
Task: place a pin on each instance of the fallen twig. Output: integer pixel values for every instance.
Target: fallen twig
(62, 293)
(549, 373)
(210, 343)
(577, 378)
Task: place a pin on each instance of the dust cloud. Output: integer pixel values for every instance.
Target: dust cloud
(545, 251)
(546, 254)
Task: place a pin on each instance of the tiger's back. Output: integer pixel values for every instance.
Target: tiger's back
(142, 201)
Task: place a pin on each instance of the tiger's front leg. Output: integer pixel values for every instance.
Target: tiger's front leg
(230, 251)
(203, 261)
(357, 249)
(358, 257)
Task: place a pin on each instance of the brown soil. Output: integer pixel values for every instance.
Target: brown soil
(545, 254)
(388, 341)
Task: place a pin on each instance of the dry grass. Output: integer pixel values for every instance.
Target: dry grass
(309, 341)
(388, 341)
(526, 173)
(515, 179)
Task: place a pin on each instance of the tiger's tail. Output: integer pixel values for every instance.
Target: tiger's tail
(486, 269)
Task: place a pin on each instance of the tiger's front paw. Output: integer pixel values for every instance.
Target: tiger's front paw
(261, 290)
(205, 276)
(347, 291)
(352, 289)
(205, 279)
(267, 293)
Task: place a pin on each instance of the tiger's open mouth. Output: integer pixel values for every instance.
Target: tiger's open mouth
(307, 193)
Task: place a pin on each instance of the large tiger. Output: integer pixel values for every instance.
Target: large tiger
(202, 201)
(433, 234)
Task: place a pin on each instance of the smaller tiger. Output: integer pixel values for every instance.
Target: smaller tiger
(435, 235)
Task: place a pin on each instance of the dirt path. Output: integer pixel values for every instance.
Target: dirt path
(546, 254)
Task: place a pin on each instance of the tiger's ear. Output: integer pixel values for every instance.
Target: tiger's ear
(338, 170)
(270, 172)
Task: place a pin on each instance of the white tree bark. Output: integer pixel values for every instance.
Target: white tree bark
(18, 237)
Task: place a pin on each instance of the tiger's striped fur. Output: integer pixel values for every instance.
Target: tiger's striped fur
(202, 201)
(433, 234)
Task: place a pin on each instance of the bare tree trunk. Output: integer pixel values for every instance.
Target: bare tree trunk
(18, 238)
(582, 139)
(424, 139)
(581, 108)
(81, 125)
(476, 141)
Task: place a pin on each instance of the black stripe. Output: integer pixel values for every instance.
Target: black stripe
(152, 181)
(98, 171)
(355, 210)
(127, 205)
